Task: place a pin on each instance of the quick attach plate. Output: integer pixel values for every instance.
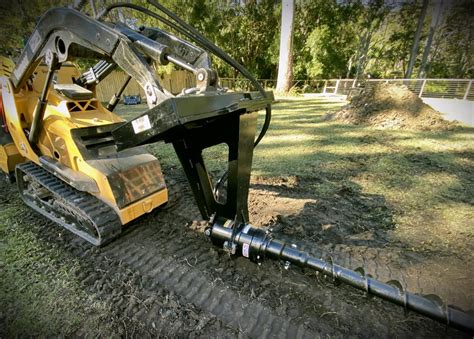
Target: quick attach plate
(185, 111)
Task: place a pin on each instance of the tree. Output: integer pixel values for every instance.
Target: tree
(373, 16)
(453, 53)
(333, 38)
(416, 39)
(394, 41)
(285, 65)
(332, 43)
(17, 21)
(436, 18)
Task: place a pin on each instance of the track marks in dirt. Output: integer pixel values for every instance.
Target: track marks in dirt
(444, 276)
(179, 265)
(163, 271)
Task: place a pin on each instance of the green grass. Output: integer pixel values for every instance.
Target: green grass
(40, 293)
(425, 177)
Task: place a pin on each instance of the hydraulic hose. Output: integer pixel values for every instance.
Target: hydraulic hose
(116, 97)
(207, 44)
(191, 33)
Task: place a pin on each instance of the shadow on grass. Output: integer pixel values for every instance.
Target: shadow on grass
(426, 170)
(346, 215)
(360, 177)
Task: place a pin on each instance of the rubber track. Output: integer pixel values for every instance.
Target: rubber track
(103, 217)
(168, 266)
(130, 296)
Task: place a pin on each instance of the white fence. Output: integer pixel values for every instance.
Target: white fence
(426, 88)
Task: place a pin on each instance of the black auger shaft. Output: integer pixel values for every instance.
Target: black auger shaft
(256, 244)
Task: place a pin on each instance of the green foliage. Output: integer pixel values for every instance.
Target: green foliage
(392, 43)
(453, 54)
(332, 38)
(17, 20)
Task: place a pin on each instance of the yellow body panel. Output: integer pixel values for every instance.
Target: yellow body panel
(12, 105)
(6, 66)
(9, 155)
(146, 205)
(62, 115)
(9, 158)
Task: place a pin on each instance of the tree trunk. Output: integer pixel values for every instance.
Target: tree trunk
(416, 40)
(93, 8)
(79, 4)
(285, 66)
(364, 49)
(349, 66)
(435, 20)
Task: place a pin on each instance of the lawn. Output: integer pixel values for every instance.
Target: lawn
(418, 187)
(426, 178)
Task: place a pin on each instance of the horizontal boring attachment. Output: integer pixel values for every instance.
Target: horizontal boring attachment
(257, 244)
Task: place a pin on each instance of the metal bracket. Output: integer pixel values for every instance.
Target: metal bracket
(238, 132)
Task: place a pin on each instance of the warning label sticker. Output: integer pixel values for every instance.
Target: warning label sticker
(141, 124)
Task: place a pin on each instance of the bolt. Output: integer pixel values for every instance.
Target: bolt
(287, 265)
(201, 76)
(207, 232)
(150, 93)
(48, 58)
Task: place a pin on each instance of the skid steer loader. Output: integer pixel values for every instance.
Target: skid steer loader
(83, 167)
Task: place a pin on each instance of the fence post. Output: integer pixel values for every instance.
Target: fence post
(467, 90)
(422, 88)
(325, 85)
(337, 86)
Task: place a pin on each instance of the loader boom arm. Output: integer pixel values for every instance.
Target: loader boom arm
(192, 122)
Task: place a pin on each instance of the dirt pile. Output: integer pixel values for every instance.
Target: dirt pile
(392, 106)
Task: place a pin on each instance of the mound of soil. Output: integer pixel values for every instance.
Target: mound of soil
(392, 106)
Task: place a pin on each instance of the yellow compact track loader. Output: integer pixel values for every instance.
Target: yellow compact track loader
(82, 166)
(67, 167)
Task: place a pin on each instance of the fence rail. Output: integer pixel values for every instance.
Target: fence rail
(427, 88)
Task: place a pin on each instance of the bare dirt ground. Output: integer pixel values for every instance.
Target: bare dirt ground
(162, 277)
